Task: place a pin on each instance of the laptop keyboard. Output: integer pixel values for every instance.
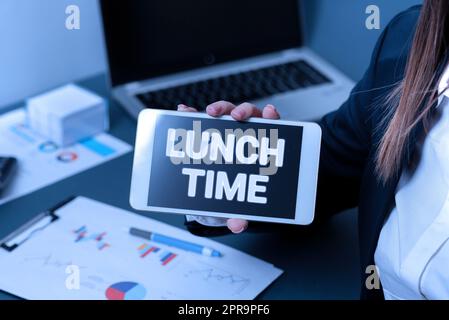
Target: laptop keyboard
(237, 88)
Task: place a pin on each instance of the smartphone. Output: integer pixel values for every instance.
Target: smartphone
(258, 170)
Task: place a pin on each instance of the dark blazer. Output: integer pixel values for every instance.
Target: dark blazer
(350, 138)
(351, 134)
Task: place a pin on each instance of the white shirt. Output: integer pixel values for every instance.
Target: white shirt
(412, 255)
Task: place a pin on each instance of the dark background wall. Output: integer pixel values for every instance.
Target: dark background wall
(336, 30)
(38, 53)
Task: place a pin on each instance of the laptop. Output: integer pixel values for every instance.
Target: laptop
(165, 52)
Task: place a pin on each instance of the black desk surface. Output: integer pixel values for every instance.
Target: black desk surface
(318, 263)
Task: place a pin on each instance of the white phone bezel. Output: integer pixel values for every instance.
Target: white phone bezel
(307, 179)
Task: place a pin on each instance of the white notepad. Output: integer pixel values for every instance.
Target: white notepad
(68, 114)
(89, 240)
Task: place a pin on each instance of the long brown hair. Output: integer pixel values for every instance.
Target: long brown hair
(411, 101)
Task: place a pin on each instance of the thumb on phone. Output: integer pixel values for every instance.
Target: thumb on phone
(237, 225)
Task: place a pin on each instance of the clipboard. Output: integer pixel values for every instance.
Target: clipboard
(33, 226)
(34, 259)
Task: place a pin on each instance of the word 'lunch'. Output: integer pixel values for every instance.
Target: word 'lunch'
(237, 148)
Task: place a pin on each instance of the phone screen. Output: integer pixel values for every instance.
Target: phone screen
(225, 166)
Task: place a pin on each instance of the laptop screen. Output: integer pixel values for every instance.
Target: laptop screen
(149, 38)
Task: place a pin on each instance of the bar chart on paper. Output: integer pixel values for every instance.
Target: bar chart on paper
(164, 256)
(82, 235)
(42, 162)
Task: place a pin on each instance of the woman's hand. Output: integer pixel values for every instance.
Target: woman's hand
(241, 112)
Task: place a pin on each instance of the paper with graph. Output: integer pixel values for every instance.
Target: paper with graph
(90, 239)
(41, 162)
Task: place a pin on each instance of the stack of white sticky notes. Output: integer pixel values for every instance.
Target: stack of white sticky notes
(68, 114)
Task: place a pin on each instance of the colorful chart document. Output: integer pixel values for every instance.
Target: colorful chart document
(41, 162)
(87, 253)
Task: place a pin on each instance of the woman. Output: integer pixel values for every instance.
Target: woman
(388, 148)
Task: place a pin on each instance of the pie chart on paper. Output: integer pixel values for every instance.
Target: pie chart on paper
(126, 291)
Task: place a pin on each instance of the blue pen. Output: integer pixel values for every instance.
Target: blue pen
(177, 243)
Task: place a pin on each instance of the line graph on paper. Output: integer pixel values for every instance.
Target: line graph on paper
(216, 276)
(49, 260)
